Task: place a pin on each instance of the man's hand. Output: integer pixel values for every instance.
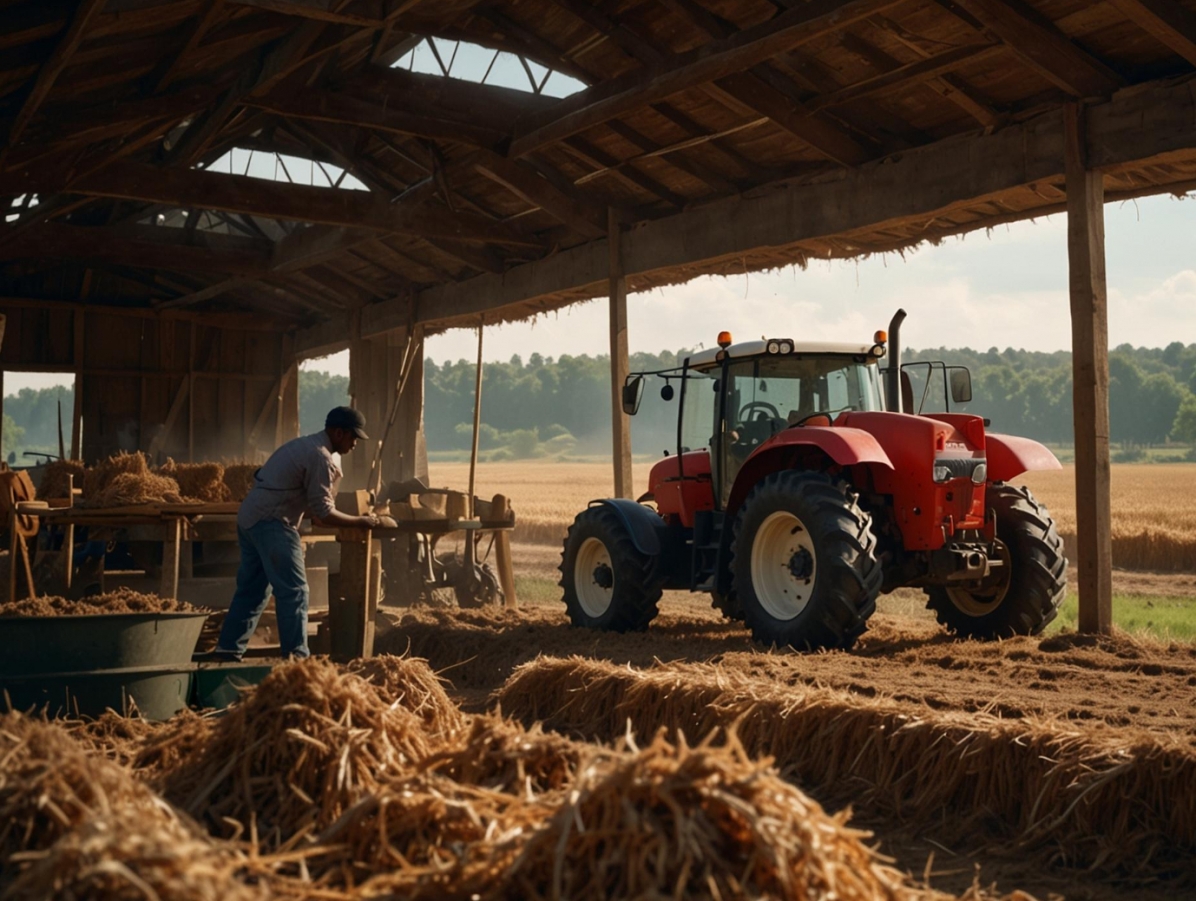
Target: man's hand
(368, 521)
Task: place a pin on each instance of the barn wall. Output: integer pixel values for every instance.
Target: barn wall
(191, 387)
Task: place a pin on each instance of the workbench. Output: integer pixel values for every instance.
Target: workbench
(352, 610)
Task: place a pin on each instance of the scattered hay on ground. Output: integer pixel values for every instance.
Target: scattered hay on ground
(49, 785)
(704, 822)
(296, 753)
(123, 600)
(500, 754)
(198, 481)
(410, 683)
(1082, 796)
(239, 479)
(56, 478)
(119, 856)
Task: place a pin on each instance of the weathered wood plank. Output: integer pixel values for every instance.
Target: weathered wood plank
(1090, 376)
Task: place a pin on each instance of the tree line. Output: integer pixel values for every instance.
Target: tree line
(547, 406)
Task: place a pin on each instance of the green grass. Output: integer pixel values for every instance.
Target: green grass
(1153, 617)
(536, 590)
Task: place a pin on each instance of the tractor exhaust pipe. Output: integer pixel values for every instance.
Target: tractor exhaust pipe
(893, 385)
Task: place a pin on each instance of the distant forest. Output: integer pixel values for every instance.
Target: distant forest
(560, 407)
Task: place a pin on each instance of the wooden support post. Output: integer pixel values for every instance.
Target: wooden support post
(619, 365)
(501, 509)
(68, 555)
(351, 611)
(171, 548)
(1090, 373)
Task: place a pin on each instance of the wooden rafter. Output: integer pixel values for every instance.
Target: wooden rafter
(53, 67)
(716, 60)
(1170, 23)
(1042, 46)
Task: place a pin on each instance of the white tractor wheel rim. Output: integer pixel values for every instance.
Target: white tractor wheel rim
(985, 601)
(784, 566)
(595, 599)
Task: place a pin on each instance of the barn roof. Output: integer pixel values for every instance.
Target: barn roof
(718, 135)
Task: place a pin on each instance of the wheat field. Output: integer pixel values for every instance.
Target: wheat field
(1154, 520)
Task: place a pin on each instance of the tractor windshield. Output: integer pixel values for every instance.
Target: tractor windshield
(767, 394)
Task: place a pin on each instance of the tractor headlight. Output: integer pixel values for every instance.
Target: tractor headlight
(786, 347)
(942, 473)
(980, 473)
(774, 347)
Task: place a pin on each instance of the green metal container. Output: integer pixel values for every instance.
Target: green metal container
(159, 692)
(84, 665)
(221, 685)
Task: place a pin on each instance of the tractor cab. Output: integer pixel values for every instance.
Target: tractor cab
(806, 480)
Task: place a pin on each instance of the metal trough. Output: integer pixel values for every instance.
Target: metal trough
(82, 665)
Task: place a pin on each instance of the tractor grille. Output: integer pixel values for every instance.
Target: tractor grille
(956, 467)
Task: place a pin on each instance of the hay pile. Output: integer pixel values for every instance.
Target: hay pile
(1081, 796)
(198, 481)
(122, 600)
(56, 478)
(239, 479)
(299, 751)
(704, 822)
(410, 683)
(126, 480)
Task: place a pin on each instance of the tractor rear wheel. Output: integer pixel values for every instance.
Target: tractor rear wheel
(609, 584)
(804, 562)
(1023, 595)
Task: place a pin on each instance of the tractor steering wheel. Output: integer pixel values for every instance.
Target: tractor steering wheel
(762, 405)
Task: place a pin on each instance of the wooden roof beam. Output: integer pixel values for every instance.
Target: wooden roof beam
(716, 60)
(602, 161)
(576, 211)
(329, 11)
(53, 67)
(1042, 46)
(197, 188)
(1168, 22)
(144, 247)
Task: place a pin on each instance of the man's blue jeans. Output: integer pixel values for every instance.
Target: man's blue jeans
(271, 555)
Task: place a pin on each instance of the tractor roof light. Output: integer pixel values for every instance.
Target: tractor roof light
(881, 337)
(786, 347)
(774, 347)
(724, 340)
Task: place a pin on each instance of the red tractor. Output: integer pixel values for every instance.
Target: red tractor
(797, 496)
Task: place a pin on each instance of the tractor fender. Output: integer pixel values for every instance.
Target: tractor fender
(842, 446)
(1009, 456)
(643, 524)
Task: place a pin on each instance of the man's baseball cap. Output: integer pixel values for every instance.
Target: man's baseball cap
(346, 418)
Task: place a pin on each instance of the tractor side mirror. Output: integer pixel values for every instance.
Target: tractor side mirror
(667, 392)
(633, 393)
(961, 385)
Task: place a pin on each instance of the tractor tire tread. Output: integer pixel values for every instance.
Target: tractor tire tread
(638, 584)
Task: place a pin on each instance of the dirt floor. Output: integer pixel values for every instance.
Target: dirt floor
(1081, 686)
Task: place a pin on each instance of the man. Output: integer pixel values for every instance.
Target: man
(300, 477)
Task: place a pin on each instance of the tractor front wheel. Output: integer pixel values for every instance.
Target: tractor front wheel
(608, 583)
(804, 562)
(1024, 593)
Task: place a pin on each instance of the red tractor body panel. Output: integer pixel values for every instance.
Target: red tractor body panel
(682, 486)
(1009, 456)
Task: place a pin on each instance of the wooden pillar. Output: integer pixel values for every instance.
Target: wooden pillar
(171, 552)
(77, 410)
(1090, 373)
(351, 612)
(619, 364)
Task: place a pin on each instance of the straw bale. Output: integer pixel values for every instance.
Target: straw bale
(239, 479)
(198, 481)
(127, 489)
(97, 478)
(112, 735)
(411, 683)
(118, 856)
(49, 785)
(1084, 796)
(704, 822)
(123, 600)
(501, 754)
(56, 478)
(296, 753)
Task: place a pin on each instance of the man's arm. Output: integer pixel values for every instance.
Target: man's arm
(321, 501)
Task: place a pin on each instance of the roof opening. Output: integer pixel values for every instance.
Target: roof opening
(482, 65)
